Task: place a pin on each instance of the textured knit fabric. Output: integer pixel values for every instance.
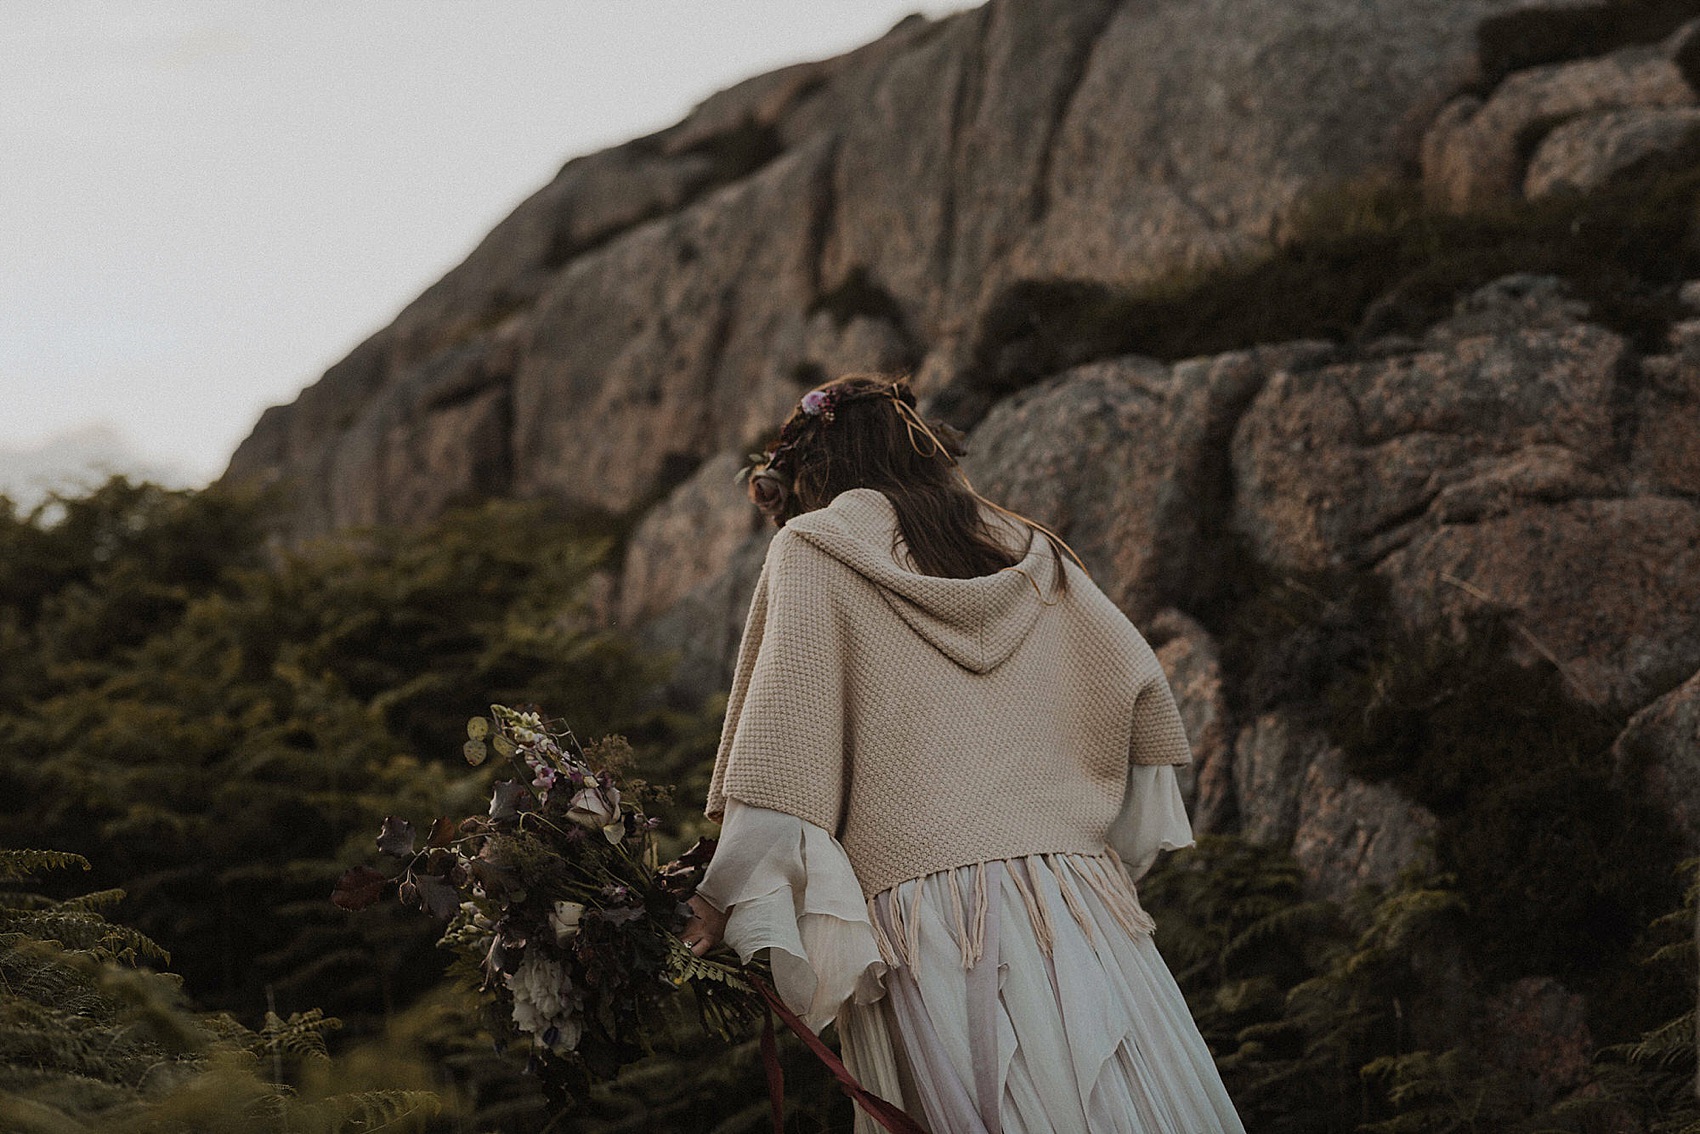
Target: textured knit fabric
(929, 722)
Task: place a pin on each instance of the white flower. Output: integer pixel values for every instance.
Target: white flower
(596, 807)
(563, 919)
(545, 1003)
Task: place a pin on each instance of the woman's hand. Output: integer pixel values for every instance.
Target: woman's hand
(705, 927)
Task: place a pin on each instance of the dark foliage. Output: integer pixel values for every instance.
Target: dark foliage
(1356, 264)
(1530, 36)
(1561, 868)
(214, 727)
(93, 1041)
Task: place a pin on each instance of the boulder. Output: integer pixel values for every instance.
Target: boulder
(1173, 503)
(699, 633)
(1337, 466)
(1658, 753)
(1292, 790)
(1194, 671)
(1352, 834)
(688, 540)
(1595, 150)
(1061, 451)
(1523, 301)
(1606, 589)
(1489, 469)
(1271, 759)
(1665, 452)
(1126, 459)
(1476, 151)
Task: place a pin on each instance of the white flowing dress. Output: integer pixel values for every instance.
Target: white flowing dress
(1017, 996)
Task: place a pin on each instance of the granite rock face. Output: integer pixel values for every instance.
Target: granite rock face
(1664, 457)
(652, 352)
(662, 302)
(689, 539)
(1194, 669)
(1538, 1030)
(1127, 460)
(1352, 834)
(1064, 451)
(1497, 468)
(700, 632)
(1659, 753)
(1292, 790)
(1271, 757)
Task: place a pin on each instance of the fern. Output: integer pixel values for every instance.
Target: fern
(1652, 1077)
(1441, 1094)
(302, 1036)
(363, 1112)
(90, 1041)
(16, 865)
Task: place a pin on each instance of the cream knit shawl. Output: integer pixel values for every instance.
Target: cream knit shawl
(929, 722)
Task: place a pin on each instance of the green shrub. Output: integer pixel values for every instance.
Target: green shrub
(91, 1041)
(219, 727)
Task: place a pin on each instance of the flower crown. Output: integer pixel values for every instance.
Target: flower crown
(770, 480)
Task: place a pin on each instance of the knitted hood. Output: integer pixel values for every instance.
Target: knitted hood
(976, 623)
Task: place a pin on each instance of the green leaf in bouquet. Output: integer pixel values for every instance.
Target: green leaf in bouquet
(504, 747)
(684, 965)
(396, 837)
(477, 728)
(475, 752)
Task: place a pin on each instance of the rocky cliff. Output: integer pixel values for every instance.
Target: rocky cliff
(664, 301)
(976, 199)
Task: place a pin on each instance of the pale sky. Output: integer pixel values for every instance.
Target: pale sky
(204, 203)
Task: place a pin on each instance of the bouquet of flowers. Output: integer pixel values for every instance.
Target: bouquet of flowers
(561, 914)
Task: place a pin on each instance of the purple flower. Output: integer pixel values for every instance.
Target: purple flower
(816, 402)
(544, 781)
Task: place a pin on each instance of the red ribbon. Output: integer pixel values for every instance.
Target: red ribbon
(891, 1117)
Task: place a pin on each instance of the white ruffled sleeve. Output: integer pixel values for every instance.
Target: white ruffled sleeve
(788, 886)
(1153, 818)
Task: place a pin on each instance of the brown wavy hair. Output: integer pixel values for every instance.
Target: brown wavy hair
(871, 441)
